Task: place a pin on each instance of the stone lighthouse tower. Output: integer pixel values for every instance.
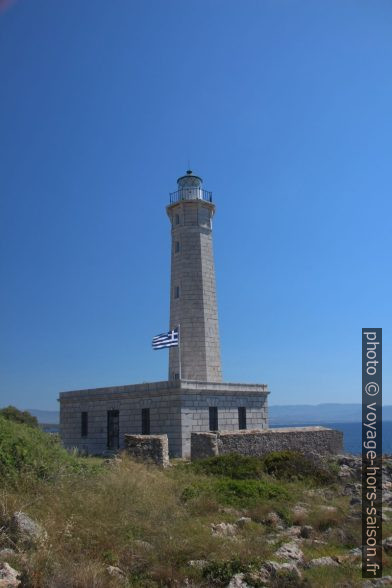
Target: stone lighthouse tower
(193, 306)
(193, 399)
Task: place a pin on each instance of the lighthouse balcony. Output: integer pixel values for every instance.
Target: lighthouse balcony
(190, 194)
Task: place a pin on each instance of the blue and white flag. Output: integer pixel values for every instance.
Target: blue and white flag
(163, 340)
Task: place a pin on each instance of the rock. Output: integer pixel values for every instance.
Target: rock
(199, 564)
(230, 511)
(294, 531)
(322, 561)
(273, 520)
(306, 531)
(238, 581)
(145, 545)
(345, 559)
(243, 521)
(290, 551)
(356, 552)
(8, 576)
(5, 553)
(300, 510)
(262, 577)
(27, 530)
(355, 500)
(387, 497)
(328, 508)
(345, 472)
(352, 490)
(224, 529)
(275, 568)
(385, 581)
(115, 572)
(336, 535)
(387, 545)
(115, 460)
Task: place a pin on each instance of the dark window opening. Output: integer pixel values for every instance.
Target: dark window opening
(213, 414)
(113, 429)
(177, 247)
(177, 219)
(177, 292)
(146, 421)
(241, 417)
(84, 423)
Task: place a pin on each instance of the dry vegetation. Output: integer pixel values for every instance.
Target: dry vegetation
(151, 523)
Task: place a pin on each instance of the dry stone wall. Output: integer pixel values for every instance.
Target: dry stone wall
(148, 448)
(304, 439)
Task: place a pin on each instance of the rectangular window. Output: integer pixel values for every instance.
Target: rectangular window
(213, 414)
(177, 292)
(241, 417)
(177, 247)
(177, 219)
(113, 429)
(84, 423)
(146, 421)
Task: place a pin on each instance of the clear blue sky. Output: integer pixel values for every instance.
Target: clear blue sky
(284, 108)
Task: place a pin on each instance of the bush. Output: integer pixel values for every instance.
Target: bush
(220, 573)
(292, 465)
(236, 467)
(237, 493)
(29, 452)
(18, 416)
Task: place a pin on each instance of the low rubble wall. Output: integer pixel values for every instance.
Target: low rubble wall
(153, 448)
(319, 440)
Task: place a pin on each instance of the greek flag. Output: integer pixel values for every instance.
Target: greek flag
(163, 340)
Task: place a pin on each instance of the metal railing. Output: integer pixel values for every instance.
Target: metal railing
(190, 194)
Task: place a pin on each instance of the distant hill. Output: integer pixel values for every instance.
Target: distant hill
(290, 414)
(45, 416)
(320, 413)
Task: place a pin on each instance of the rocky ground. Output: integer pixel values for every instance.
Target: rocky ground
(304, 549)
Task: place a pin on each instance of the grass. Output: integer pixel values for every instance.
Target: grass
(151, 522)
(282, 465)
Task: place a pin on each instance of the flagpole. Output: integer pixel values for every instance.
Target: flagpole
(179, 349)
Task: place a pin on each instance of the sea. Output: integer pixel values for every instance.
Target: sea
(352, 434)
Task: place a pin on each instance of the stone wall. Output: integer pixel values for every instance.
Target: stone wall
(304, 439)
(148, 448)
(204, 445)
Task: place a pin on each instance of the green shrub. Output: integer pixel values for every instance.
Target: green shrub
(246, 493)
(29, 452)
(18, 416)
(236, 467)
(292, 465)
(237, 493)
(220, 573)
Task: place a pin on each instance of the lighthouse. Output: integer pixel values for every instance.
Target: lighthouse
(193, 304)
(194, 398)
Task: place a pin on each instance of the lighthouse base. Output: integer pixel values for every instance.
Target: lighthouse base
(96, 420)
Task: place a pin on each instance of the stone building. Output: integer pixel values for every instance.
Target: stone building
(194, 398)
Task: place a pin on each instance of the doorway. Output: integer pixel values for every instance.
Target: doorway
(113, 429)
